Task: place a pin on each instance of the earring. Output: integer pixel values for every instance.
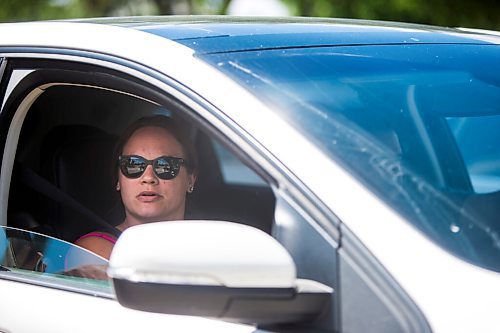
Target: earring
(191, 188)
(118, 186)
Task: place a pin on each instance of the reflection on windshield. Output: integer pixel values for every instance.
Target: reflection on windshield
(22, 250)
(414, 123)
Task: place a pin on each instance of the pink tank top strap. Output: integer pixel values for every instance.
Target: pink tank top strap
(98, 234)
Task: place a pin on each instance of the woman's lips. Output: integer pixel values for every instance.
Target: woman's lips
(148, 196)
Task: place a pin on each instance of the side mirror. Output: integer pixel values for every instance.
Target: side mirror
(212, 269)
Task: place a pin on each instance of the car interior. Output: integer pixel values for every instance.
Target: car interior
(62, 182)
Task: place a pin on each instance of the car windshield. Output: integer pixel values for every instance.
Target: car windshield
(44, 260)
(417, 124)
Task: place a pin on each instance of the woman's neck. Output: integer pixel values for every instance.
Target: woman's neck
(130, 221)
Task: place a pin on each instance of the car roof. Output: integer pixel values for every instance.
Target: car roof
(216, 34)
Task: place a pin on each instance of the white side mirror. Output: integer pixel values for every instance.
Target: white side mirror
(212, 269)
(202, 253)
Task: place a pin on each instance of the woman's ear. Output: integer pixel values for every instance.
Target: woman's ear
(191, 181)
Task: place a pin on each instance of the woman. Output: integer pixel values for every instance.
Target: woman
(156, 168)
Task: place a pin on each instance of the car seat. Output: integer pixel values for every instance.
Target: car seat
(78, 161)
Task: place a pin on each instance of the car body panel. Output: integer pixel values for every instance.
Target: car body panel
(83, 313)
(206, 34)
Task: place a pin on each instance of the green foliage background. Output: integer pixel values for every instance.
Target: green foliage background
(466, 13)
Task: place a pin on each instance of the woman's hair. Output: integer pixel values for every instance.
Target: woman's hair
(167, 124)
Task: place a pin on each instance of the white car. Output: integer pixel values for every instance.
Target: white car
(349, 176)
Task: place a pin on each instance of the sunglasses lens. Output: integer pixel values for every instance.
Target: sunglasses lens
(166, 168)
(133, 166)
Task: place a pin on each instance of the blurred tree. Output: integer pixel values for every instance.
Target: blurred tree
(223, 7)
(101, 7)
(22, 10)
(169, 7)
(470, 13)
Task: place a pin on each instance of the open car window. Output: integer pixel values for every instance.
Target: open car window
(68, 139)
(62, 182)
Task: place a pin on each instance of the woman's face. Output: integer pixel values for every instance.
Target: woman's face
(149, 198)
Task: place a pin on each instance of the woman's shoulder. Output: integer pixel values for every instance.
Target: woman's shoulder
(99, 242)
(99, 235)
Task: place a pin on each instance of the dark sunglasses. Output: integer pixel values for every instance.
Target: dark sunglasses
(164, 167)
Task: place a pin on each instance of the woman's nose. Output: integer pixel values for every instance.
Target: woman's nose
(149, 177)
